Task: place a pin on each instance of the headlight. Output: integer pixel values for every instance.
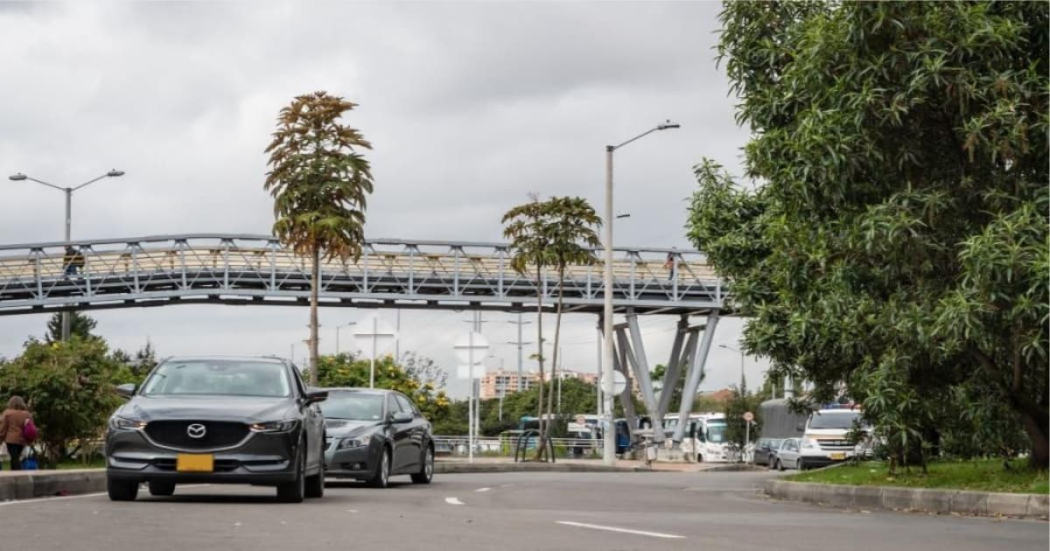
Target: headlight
(126, 424)
(357, 442)
(810, 444)
(273, 426)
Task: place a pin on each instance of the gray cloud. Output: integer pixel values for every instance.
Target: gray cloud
(470, 107)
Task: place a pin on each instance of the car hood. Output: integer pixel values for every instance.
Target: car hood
(219, 408)
(340, 428)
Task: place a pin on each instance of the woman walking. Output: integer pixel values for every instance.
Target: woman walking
(12, 425)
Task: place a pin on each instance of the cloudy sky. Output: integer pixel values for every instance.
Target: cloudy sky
(470, 106)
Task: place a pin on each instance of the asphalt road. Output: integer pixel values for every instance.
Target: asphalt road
(510, 511)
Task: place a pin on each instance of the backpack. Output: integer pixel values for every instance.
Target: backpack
(29, 432)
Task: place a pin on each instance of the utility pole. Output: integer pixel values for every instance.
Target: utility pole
(520, 343)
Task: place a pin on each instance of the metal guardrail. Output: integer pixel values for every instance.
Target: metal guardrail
(256, 269)
(507, 446)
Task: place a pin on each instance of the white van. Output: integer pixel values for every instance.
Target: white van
(826, 433)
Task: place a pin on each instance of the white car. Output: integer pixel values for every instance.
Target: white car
(799, 453)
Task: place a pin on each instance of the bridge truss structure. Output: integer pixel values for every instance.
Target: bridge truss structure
(256, 269)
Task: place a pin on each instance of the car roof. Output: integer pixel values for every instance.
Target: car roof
(359, 390)
(231, 358)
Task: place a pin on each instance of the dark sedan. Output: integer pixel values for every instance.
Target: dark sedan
(766, 450)
(376, 434)
(218, 420)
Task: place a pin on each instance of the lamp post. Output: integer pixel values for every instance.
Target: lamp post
(741, 352)
(337, 334)
(69, 213)
(609, 444)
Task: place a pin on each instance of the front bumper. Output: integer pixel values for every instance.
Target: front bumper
(351, 462)
(262, 458)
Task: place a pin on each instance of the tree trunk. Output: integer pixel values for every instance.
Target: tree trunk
(1036, 423)
(315, 284)
(554, 354)
(539, 346)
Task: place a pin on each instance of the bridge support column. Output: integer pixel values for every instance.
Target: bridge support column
(694, 376)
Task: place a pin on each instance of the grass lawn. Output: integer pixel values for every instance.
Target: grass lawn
(986, 475)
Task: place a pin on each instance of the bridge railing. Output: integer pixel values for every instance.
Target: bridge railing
(38, 273)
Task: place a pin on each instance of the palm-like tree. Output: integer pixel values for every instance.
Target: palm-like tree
(319, 182)
(560, 232)
(524, 226)
(572, 235)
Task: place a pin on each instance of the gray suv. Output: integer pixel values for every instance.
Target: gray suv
(218, 420)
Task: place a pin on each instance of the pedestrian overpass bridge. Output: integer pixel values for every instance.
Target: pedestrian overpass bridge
(393, 273)
(257, 269)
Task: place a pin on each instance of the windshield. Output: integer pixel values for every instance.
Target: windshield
(219, 378)
(353, 406)
(716, 433)
(838, 420)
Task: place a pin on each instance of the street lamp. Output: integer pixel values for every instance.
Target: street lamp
(741, 352)
(337, 334)
(69, 207)
(609, 444)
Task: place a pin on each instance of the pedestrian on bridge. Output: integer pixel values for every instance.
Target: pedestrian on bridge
(670, 265)
(13, 428)
(71, 260)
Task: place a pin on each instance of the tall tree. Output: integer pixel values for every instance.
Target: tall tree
(80, 325)
(524, 226)
(319, 182)
(571, 226)
(897, 242)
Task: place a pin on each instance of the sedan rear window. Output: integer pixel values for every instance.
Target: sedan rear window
(219, 378)
(353, 406)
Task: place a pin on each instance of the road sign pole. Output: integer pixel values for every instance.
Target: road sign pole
(470, 400)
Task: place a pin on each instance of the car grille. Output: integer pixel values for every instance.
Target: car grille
(219, 434)
(835, 445)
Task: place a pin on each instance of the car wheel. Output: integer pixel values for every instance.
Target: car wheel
(161, 489)
(122, 490)
(381, 477)
(801, 464)
(293, 492)
(315, 483)
(426, 472)
(780, 465)
(699, 458)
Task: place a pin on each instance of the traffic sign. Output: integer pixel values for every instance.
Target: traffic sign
(619, 383)
(749, 417)
(471, 348)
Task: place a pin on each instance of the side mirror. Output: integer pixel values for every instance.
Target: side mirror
(126, 390)
(399, 417)
(314, 396)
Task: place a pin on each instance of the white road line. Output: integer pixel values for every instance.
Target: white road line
(621, 530)
(482, 489)
(453, 501)
(78, 496)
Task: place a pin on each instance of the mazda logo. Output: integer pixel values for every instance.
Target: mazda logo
(196, 430)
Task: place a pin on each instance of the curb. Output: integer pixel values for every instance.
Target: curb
(448, 467)
(52, 483)
(945, 502)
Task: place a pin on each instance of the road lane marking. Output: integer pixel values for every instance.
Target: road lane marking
(621, 530)
(78, 496)
(482, 489)
(453, 501)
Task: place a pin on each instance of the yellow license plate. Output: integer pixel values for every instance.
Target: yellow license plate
(838, 456)
(195, 463)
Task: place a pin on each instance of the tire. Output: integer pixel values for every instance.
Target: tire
(315, 483)
(161, 489)
(294, 491)
(780, 466)
(801, 464)
(699, 458)
(122, 490)
(426, 471)
(381, 477)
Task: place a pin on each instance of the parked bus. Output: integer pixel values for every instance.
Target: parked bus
(704, 436)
